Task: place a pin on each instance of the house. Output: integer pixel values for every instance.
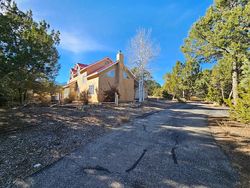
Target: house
(99, 77)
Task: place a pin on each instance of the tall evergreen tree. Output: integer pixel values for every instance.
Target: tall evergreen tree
(190, 73)
(28, 51)
(202, 84)
(223, 33)
(173, 80)
(220, 85)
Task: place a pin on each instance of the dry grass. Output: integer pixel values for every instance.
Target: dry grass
(234, 139)
(42, 135)
(124, 119)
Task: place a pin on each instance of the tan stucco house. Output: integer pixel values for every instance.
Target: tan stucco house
(99, 77)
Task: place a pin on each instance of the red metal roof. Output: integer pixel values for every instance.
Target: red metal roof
(82, 65)
(73, 70)
(97, 70)
(104, 67)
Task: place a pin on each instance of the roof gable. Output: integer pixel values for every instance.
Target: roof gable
(92, 68)
(102, 69)
(82, 65)
(97, 67)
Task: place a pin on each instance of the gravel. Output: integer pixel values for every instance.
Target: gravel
(174, 148)
(32, 137)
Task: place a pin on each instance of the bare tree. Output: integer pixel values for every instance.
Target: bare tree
(141, 51)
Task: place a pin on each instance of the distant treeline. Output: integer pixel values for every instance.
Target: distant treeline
(221, 37)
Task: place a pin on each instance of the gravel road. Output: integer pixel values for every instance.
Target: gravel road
(171, 148)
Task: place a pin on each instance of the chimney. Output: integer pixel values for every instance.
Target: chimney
(120, 57)
(119, 68)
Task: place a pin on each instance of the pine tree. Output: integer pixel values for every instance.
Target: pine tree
(28, 51)
(222, 34)
(190, 73)
(173, 81)
(202, 84)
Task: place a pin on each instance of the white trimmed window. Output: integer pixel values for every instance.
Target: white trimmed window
(111, 73)
(125, 75)
(91, 89)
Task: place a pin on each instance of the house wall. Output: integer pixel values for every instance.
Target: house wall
(125, 86)
(94, 98)
(102, 82)
(81, 81)
(66, 93)
(82, 84)
(105, 82)
(70, 91)
(126, 90)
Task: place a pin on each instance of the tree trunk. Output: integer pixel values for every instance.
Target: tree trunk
(25, 96)
(230, 94)
(173, 98)
(139, 91)
(235, 83)
(20, 96)
(222, 94)
(143, 86)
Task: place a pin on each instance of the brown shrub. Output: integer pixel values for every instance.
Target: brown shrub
(69, 99)
(84, 97)
(124, 119)
(109, 95)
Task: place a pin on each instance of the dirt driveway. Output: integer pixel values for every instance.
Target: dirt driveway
(172, 148)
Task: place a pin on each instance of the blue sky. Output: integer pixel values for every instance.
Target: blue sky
(93, 29)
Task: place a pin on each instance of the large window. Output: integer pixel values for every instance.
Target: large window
(125, 75)
(91, 89)
(111, 73)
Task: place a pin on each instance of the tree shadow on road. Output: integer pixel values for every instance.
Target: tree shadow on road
(198, 160)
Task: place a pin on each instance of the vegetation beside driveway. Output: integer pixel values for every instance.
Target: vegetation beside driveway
(171, 148)
(34, 137)
(234, 138)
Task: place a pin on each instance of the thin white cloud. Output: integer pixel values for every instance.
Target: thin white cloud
(184, 16)
(78, 43)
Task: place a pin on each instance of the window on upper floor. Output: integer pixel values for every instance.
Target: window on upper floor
(125, 75)
(111, 73)
(91, 89)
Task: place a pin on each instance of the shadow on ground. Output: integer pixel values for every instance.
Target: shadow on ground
(173, 148)
(42, 135)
